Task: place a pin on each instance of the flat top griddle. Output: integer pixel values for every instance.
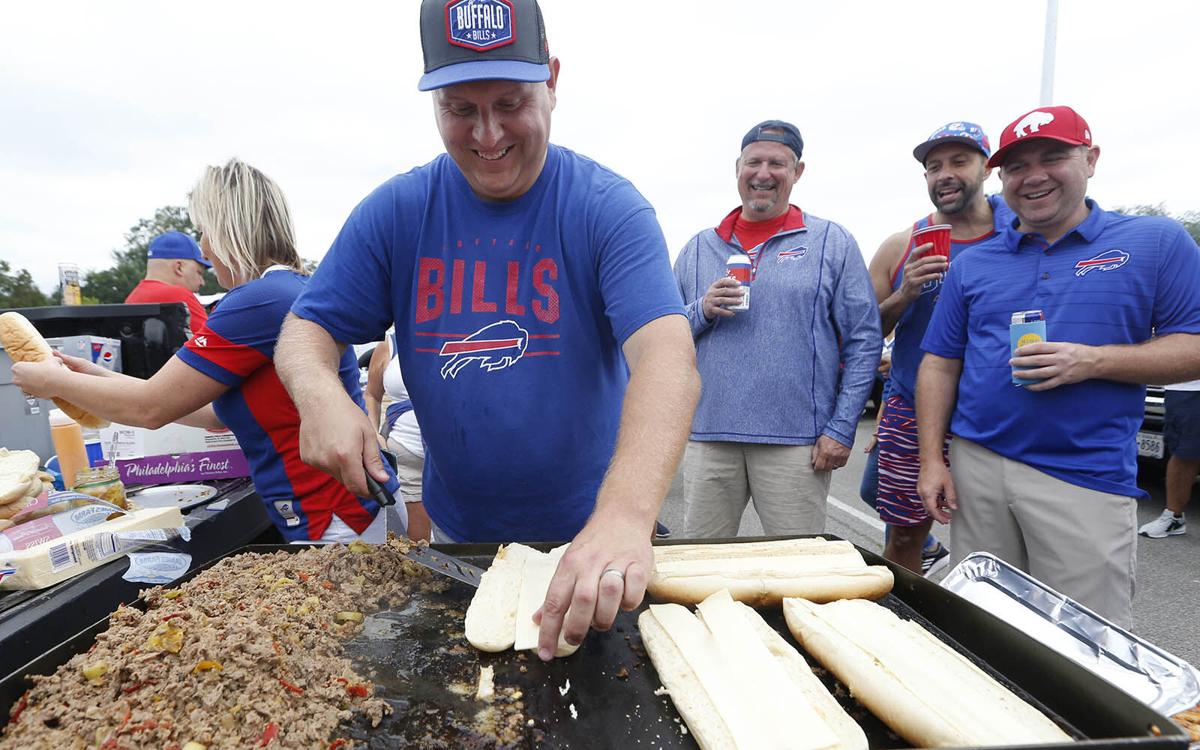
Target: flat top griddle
(604, 696)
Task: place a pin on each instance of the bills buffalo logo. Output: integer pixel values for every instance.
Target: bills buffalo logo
(1032, 123)
(201, 341)
(794, 254)
(493, 347)
(1105, 261)
(479, 25)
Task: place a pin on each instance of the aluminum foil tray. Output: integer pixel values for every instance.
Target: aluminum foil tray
(1159, 679)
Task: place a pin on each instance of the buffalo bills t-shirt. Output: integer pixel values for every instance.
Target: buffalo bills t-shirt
(237, 348)
(510, 319)
(1113, 279)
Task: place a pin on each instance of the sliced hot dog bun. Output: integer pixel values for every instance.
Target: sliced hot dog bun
(500, 615)
(737, 683)
(925, 691)
(763, 573)
(491, 621)
(24, 344)
(849, 733)
(535, 582)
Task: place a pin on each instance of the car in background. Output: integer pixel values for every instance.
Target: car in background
(1151, 446)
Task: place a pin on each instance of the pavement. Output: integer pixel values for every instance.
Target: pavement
(1166, 604)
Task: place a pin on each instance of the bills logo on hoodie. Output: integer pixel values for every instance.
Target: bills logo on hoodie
(480, 25)
(493, 347)
(1106, 261)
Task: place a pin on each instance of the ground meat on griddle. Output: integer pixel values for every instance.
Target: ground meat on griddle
(248, 654)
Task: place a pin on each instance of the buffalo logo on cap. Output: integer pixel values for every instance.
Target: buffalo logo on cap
(480, 25)
(1032, 122)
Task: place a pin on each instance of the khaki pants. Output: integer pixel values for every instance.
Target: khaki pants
(720, 478)
(1080, 542)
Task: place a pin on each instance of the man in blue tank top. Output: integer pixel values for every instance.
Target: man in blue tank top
(907, 281)
(535, 312)
(1043, 471)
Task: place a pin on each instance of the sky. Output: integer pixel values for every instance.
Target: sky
(111, 110)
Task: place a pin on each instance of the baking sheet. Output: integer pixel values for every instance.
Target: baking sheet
(1159, 679)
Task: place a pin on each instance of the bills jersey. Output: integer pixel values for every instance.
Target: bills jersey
(237, 348)
(510, 317)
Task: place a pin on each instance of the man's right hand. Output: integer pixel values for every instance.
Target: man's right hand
(936, 488)
(723, 292)
(339, 441)
(920, 269)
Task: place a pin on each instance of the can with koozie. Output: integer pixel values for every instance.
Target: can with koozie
(1025, 327)
(738, 267)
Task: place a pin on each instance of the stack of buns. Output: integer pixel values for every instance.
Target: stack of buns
(761, 574)
(24, 344)
(20, 483)
(738, 684)
(927, 692)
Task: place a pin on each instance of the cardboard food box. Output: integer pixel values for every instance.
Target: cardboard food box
(174, 453)
(62, 556)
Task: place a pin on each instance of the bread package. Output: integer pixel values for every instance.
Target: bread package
(24, 344)
(927, 692)
(500, 615)
(737, 683)
(763, 573)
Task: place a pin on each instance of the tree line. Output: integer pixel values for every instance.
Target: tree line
(111, 285)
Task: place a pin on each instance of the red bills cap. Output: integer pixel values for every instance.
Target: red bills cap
(482, 40)
(1056, 123)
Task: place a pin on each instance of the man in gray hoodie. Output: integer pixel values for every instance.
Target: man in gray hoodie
(784, 382)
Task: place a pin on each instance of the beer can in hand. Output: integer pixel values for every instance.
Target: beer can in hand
(738, 267)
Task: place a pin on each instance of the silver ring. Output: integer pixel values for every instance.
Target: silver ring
(613, 571)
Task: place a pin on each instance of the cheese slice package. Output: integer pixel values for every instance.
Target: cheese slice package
(69, 554)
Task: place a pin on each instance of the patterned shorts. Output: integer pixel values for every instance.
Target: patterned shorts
(899, 465)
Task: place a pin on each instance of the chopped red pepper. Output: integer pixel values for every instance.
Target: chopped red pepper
(145, 725)
(174, 615)
(339, 742)
(294, 688)
(358, 690)
(268, 734)
(138, 686)
(327, 585)
(303, 576)
(16, 714)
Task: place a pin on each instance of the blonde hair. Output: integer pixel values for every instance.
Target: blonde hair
(245, 218)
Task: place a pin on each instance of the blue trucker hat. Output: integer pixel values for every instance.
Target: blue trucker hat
(482, 40)
(790, 136)
(175, 246)
(954, 132)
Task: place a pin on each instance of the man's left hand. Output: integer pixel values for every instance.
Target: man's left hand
(584, 592)
(828, 454)
(1054, 363)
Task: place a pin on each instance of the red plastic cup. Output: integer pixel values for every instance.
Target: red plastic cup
(939, 235)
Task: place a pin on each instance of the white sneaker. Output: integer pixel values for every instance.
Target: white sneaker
(1167, 524)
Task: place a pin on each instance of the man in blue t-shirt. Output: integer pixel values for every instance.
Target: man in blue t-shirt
(907, 275)
(535, 312)
(1043, 470)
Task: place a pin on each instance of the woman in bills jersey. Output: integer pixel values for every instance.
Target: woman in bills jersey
(224, 377)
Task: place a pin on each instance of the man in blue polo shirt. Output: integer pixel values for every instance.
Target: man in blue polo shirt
(535, 311)
(1043, 474)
